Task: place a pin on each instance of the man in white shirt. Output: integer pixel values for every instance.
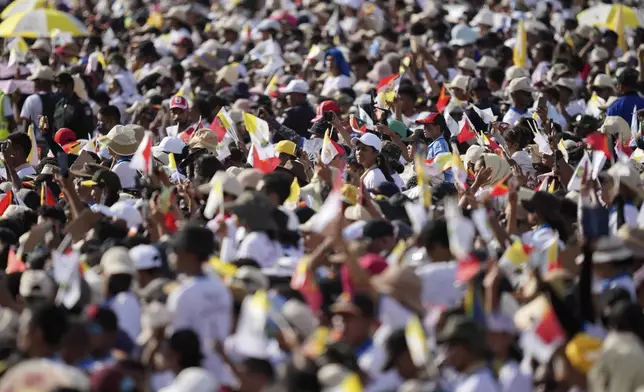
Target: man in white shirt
(202, 302)
(41, 102)
(521, 94)
(17, 152)
(465, 348)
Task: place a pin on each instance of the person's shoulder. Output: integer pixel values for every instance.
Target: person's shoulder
(437, 268)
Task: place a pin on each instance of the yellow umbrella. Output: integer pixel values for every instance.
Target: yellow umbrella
(41, 23)
(604, 15)
(19, 6)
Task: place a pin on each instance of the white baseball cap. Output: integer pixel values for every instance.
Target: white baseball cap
(368, 139)
(170, 144)
(145, 257)
(295, 86)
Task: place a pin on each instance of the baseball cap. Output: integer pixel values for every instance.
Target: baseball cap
(520, 84)
(179, 102)
(356, 304)
(64, 136)
(145, 257)
(431, 118)
(36, 283)
(368, 139)
(116, 260)
(105, 179)
(285, 147)
(170, 144)
(295, 86)
(323, 107)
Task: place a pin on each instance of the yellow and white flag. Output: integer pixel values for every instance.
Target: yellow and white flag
(33, 159)
(215, 200)
(259, 135)
(460, 174)
(520, 55)
(416, 342)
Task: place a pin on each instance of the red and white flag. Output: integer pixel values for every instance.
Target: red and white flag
(142, 160)
(330, 148)
(466, 131)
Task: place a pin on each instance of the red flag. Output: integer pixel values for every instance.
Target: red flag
(6, 201)
(443, 100)
(142, 160)
(356, 125)
(46, 197)
(499, 190)
(265, 166)
(467, 268)
(218, 128)
(466, 132)
(599, 142)
(387, 83)
(303, 281)
(549, 329)
(14, 263)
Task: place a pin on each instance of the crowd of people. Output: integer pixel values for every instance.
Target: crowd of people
(324, 196)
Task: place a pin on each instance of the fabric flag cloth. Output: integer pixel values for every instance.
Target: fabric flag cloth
(473, 303)
(388, 83)
(546, 336)
(294, 194)
(218, 128)
(542, 143)
(142, 159)
(33, 158)
(443, 100)
(562, 148)
(215, 200)
(599, 142)
(500, 189)
(520, 54)
(489, 142)
(259, 135)
(467, 268)
(514, 258)
(635, 125)
(304, 282)
(552, 255)
(438, 164)
(580, 172)
(351, 383)
(452, 125)
(364, 116)
(46, 197)
(425, 192)
(486, 114)
(460, 174)
(466, 131)
(228, 124)
(6, 201)
(330, 148)
(266, 165)
(416, 342)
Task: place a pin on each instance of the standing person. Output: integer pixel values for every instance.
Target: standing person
(40, 103)
(629, 99)
(122, 142)
(464, 341)
(432, 130)
(521, 95)
(300, 113)
(201, 302)
(70, 111)
(368, 148)
(339, 73)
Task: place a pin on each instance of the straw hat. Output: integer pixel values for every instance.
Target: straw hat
(121, 140)
(203, 138)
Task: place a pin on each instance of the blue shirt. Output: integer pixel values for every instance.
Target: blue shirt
(436, 147)
(625, 105)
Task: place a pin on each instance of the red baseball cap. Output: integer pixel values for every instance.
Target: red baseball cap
(429, 119)
(64, 136)
(179, 102)
(325, 106)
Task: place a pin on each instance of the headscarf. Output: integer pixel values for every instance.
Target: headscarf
(340, 61)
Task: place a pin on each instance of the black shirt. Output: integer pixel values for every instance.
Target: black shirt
(299, 117)
(75, 114)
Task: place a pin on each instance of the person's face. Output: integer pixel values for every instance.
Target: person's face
(440, 59)
(361, 71)
(522, 98)
(329, 61)
(499, 342)
(95, 194)
(293, 99)
(456, 356)
(194, 77)
(352, 328)
(230, 36)
(114, 88)
(178, 259)
(564, 93)
(432, 131)
(178, 115)
(365, 155)
(405, 366)
(466, 51)
(407, 102)
(460, 94)
(481, 94)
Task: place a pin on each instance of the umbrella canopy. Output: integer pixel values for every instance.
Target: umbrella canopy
(41, 23)
(603, 15)
(19, 6)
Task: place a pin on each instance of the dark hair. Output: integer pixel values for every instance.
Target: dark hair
(105, 229)
(284, 236)
(496, 74)
(118, 283)
(21, 140)
(51, 320)
(381, 162)
(260, 366)
(434, 233)
(278, 183)
(408, 90)
(185, 343)
(195, 240)
(207, 166)
(110, 111)
(53, 212)
(65, 79)
(625, 316)
(517, 136)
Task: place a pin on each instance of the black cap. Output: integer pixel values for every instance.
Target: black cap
(377, 229)
(356, 304)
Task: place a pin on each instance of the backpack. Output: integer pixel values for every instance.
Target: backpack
(48, 101)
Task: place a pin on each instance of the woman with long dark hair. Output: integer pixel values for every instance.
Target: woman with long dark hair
(376, 170)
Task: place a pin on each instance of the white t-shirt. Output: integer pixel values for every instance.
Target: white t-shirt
(372, 178)
(204, 305)
(126, 174)
(193, 378)
(32, 110)
(128, 310)
(438, 284)
(333, 84)
(512, 379)
(480, 381)
(630, 218)
(398, 181)
(257, 246)
(512, 116)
